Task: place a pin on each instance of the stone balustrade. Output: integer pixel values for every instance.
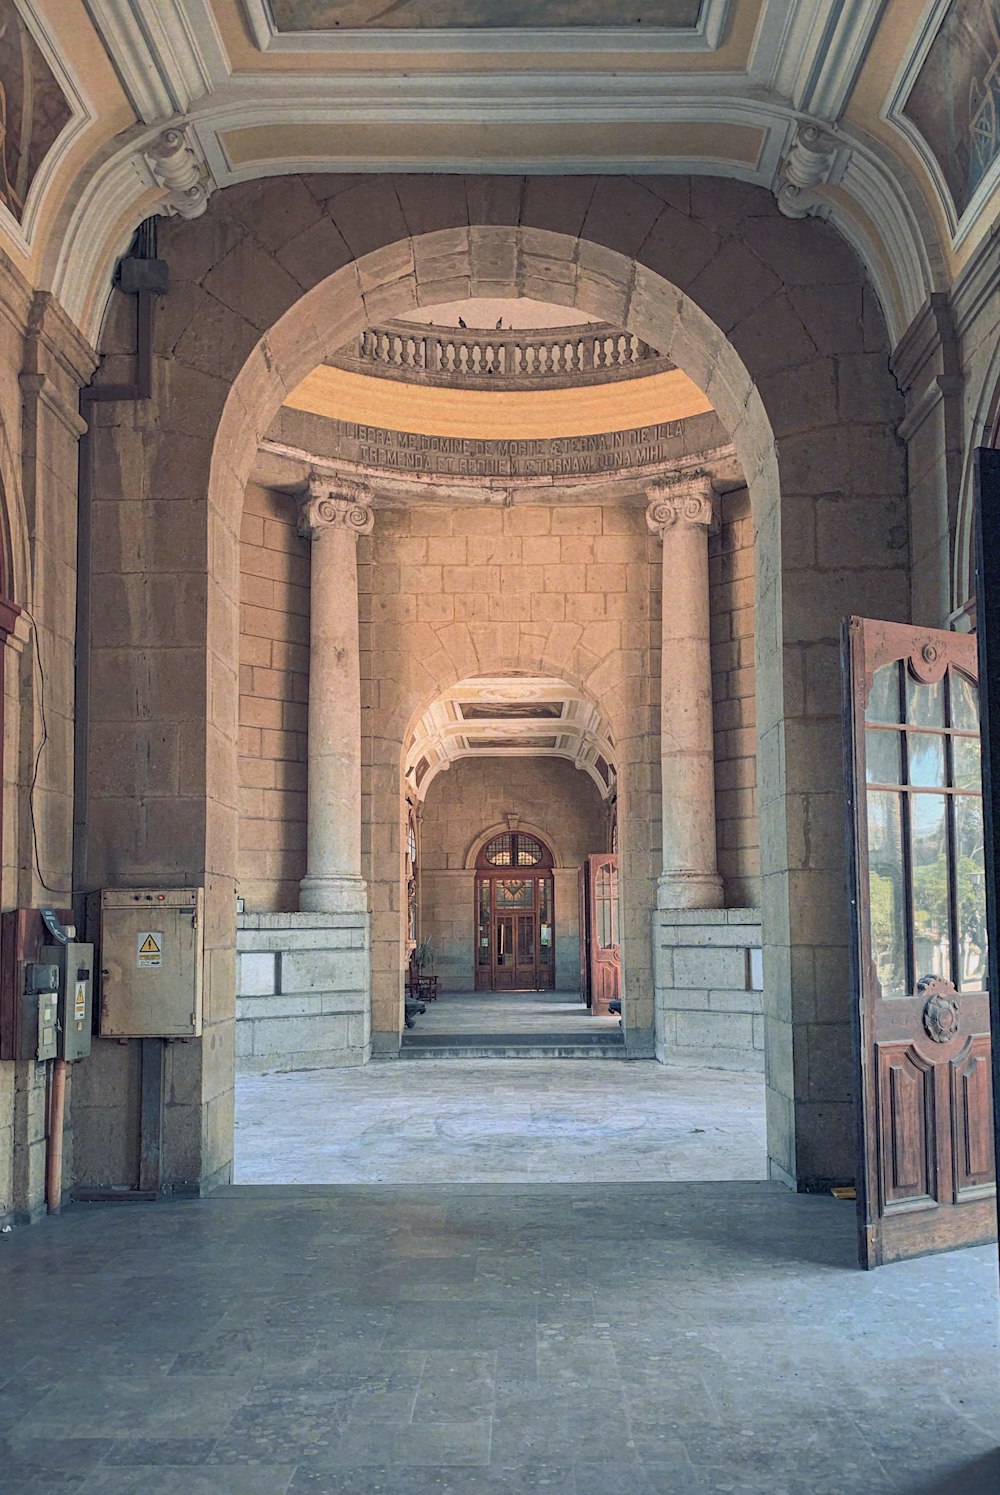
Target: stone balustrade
(595, 353)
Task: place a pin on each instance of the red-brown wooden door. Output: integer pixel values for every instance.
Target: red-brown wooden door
(926, 1179)
(605, 938)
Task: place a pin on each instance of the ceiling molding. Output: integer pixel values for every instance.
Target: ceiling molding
(892, 231)
(168, 55)
(377, 42)
(811, 51)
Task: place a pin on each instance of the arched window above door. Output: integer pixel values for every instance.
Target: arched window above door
(513, 849)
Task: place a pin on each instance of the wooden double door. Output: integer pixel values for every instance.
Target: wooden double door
(515, 939)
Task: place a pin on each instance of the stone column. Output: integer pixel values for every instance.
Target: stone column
(681, 512)
(332, 516)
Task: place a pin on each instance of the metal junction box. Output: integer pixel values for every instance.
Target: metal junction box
(152, 946)
(75, 964)
(30, 985)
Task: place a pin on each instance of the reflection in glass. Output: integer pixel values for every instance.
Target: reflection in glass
(606, 906)
(886, 891)
(924, 703)
(926, 757)
(930, 903)
(883, 702)
(484, 924)
(964, 702)
(970, 887)
(967, 765)
(545, 915)
(882, 757)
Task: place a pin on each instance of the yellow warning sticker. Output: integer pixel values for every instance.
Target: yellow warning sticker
(80, 1002)
(149, 948)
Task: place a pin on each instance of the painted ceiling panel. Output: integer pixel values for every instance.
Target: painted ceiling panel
(955, 101)
(327, 15)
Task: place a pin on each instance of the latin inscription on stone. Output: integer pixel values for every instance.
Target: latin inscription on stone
(453, 456)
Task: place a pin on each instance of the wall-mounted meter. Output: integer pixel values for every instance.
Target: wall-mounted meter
(40, 1010)
(152, 948)
(75, 963)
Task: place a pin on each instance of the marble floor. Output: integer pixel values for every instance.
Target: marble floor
(499, 1121)
(491, 1339)
(512, 1012)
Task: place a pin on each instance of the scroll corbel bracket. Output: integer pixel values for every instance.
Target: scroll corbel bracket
(181, 172)
(814, 159)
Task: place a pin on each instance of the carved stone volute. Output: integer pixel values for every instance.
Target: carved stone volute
(689, 500)
(335, 501)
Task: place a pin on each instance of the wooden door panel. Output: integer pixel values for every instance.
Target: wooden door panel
(604, 922)
(906, 1096)
(918, 873)
(972, 1121)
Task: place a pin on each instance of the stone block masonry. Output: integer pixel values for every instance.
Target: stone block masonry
(302, 994)
(709, 1002)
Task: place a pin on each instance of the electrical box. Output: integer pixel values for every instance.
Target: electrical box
(75, 964)
(29, 984)
(152, 948)
(40, 1010)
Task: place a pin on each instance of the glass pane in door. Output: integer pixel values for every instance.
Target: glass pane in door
(930, 901)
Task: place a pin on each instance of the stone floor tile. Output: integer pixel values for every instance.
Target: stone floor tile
(64, 1461)
(434, 1444)
(125, 1452)
(498, 1479)
(110, 1406)
(394, 1407)
(162, 1479)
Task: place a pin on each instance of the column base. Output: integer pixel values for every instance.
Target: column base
(689, 890)
(333, 895)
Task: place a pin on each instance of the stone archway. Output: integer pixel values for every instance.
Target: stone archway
(759, 311)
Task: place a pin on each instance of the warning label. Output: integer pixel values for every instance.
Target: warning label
(149, 948)
(80, 1002)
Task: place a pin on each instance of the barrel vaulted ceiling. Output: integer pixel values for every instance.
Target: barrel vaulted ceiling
(873, 113)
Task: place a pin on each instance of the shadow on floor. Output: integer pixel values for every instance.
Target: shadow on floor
(982, 1477)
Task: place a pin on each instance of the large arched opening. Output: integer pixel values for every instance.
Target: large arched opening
(740, 311)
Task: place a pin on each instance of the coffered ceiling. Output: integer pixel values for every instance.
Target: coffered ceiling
(510, 716)
(838, 106)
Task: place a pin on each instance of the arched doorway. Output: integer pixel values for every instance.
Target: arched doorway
(515, 915)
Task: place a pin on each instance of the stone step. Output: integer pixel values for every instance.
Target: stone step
(512, 1046)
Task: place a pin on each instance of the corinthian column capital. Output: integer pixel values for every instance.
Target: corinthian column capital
(333, 501)
(688, 501)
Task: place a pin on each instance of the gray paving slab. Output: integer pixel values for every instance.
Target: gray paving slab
(500, 1121)
(659, 1338)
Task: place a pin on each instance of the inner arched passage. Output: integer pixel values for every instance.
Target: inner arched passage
(622, 677)
(511, 781)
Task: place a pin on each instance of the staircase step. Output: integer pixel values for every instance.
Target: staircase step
(512, 1046)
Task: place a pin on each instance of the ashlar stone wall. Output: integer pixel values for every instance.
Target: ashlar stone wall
(274, 691)
(558, 800)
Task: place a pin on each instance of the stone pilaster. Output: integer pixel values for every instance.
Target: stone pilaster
(681, 512)
(332, 516)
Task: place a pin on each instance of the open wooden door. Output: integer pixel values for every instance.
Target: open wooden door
(926, 1177)
(605, 938)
